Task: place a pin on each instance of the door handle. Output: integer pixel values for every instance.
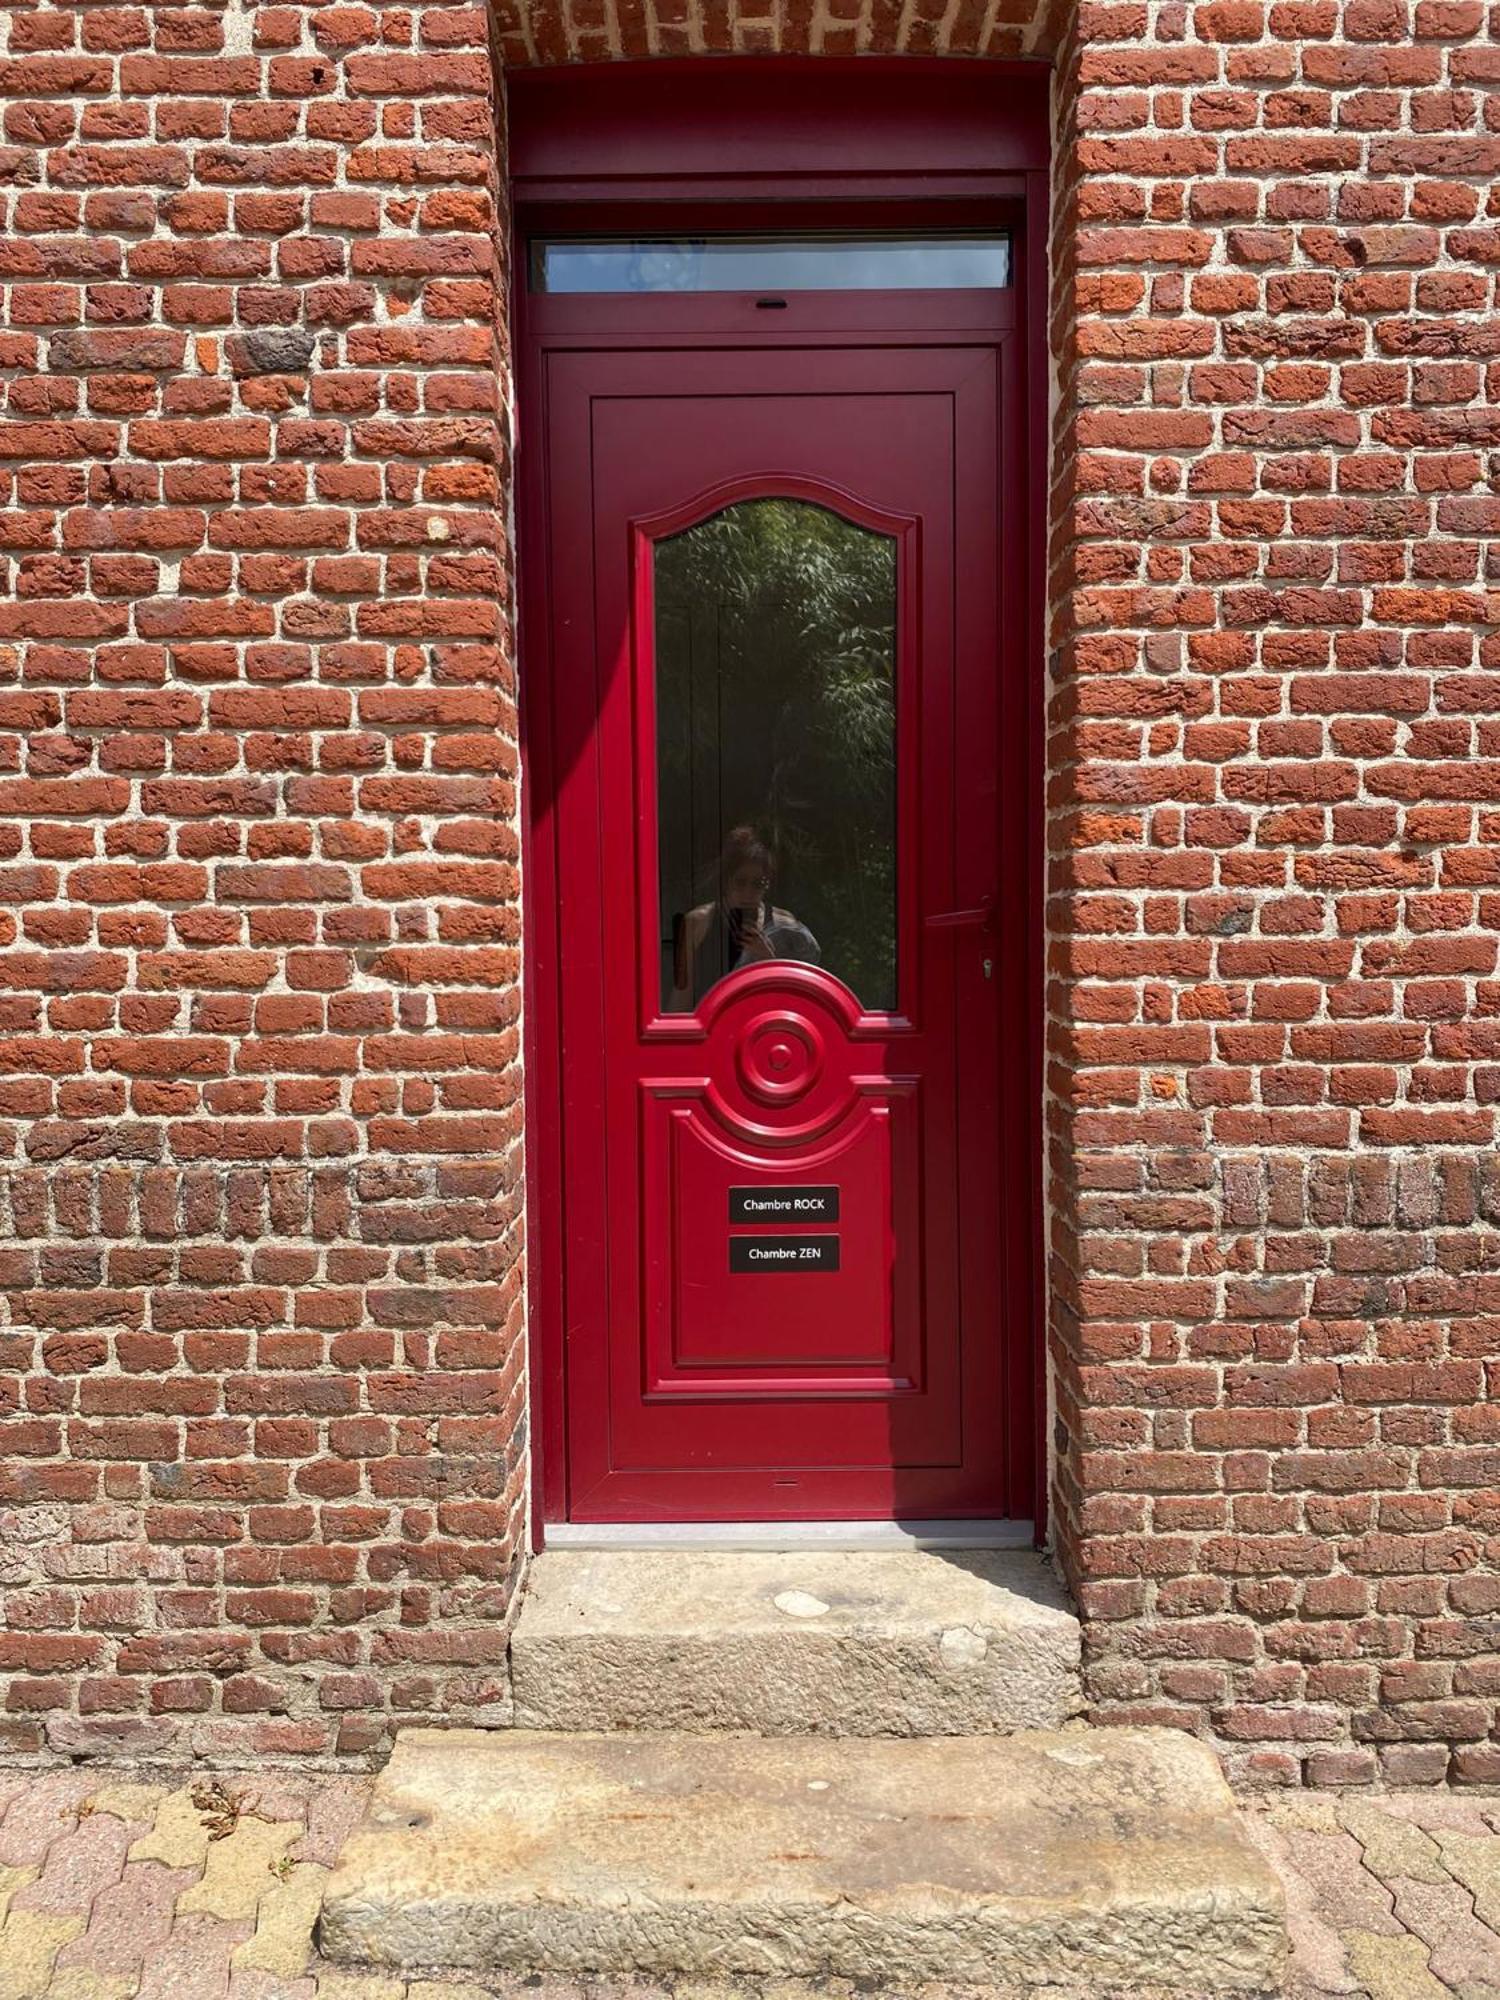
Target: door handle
(981, 917)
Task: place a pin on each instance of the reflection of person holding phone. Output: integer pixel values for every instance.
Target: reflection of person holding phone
(742, 927)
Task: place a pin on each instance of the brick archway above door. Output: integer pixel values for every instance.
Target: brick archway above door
(533, 32)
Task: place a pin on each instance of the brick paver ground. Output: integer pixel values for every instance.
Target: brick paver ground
(134, 1886)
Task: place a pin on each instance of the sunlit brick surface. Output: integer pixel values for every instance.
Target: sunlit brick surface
(1274, 785)
(557, 31)
(261, 1485)
(259, 1073)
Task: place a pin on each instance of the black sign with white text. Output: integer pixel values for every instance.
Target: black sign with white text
(783, 1204)
(783, 1253)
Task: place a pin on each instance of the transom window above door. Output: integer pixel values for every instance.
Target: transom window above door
(825, 263)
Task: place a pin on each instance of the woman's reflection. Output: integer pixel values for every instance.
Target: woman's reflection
(740, 927)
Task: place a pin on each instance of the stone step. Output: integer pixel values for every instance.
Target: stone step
(1096, 1860)
(840, 1643)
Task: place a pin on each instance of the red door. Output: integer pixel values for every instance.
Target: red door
(783, 806)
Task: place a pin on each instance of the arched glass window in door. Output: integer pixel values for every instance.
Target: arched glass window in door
(775, 650)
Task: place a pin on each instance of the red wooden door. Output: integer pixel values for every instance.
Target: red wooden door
(780, 782)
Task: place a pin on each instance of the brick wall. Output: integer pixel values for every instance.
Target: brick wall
(559, 31)
(262, 1464)
(1275, 878)
(259, 1104)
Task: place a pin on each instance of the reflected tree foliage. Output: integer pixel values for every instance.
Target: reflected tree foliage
(775, 662)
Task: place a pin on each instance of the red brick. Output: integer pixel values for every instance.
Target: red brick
(1274, 753)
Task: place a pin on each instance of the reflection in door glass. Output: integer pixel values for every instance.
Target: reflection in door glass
(776, 748)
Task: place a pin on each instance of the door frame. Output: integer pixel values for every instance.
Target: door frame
(919, 142)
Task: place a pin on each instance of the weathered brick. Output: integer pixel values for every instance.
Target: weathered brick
(1329, 227)
(205, 1273)
(260, 732)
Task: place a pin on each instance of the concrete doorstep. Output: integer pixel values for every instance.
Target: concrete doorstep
(813, 1642)
(1111, 1860)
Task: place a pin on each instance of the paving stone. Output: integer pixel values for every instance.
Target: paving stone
(1442, 1915)
(44, 1811)
(1433, 1810)
(1420, 1937)
(275, 1795)
(1393, 1968)
(28, 1949)
(1475, 1863)
(336, 1984)
(12, 1785)
(333, 1811)
(129, 1920)
(77, 1983)
(249, 1983)
(1348, 1895)
(1392, 1845)
(133, 1802)
(179, 1837)
(237, 1872)
(193, 1961)
(88, 1858)
(1318, 1953)
(12, 1879)
(284, 1926)
(1308, 1812)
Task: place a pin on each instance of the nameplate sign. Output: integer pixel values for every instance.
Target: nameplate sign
(783, 1204)
(783, 1253)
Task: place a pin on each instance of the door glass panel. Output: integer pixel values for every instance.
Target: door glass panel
(776, 748)
(771, 263)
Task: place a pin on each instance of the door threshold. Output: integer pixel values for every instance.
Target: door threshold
(772, 1537)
